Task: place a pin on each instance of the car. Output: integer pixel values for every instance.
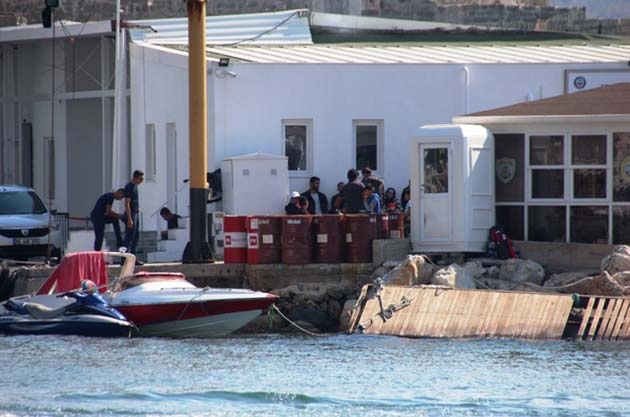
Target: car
(26, 227)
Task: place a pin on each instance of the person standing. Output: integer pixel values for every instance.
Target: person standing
(336, 201)
(371, 200)
(374, 181)
(352, 193)
(103, 214)
(297, 204)
(132, 210)
(317, 201)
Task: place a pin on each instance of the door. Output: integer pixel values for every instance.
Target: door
(435, 193)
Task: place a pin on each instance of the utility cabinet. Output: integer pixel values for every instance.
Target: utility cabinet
(255, 184)
(452, 188)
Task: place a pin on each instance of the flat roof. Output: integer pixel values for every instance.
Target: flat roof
(422, 54)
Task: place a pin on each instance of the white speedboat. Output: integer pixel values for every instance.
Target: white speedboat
(162, 304)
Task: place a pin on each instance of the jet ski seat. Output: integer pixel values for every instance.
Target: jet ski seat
(40, 311)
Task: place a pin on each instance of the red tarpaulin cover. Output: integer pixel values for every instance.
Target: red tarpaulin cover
(74, 268)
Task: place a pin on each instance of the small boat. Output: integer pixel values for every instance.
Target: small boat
(162, 303)
(62, 314)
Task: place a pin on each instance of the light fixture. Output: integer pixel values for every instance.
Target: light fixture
(224, 62)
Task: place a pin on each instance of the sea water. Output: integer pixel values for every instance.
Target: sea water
(333, 375)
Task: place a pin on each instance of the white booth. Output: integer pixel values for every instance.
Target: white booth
(452, 188)
(255, 183)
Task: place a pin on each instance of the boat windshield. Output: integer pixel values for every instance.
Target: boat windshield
(140, 278)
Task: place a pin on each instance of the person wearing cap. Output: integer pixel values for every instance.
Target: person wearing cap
(374, 181)
(297, 204)
(317, 201)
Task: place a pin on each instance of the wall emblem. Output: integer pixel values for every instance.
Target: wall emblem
(579, 82)
(505, 169)
(24, 232)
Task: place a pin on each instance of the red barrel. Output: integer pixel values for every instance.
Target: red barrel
(328, 246)
(297, 239)
(360, 232)
(382, 226)
(235, 241)
(396, 225)
(264, 239)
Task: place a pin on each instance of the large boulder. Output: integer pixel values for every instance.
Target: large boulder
(564, 278)
(454, 276)
(603, 284)
(617, 261)
(414, 270)
(623, 278)
(522, 270)
(346, 315)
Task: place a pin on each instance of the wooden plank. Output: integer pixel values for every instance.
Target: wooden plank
(585, 318)
(563, 306)
(625, 306)
(609, 307)
(504, 303)
(624, 333)
(443, 329)
(356, 314)
(540, 319)
(480, 312)
(613, 308)
(486, 321)
(596, 317)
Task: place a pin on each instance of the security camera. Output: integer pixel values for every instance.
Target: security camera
(221, 73)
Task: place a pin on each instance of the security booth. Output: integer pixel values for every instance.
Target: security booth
(452, 188)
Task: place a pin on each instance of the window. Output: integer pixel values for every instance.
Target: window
(512, 219)
(368, 144)
(588, 159)
(435, 171)
(545, 152)
(546, 223)
(151, 163)
(509, 167)
(589, 224)
(621, 225)
(621, 166)
(297, 144)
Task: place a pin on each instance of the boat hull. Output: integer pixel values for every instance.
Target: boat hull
(80, 325)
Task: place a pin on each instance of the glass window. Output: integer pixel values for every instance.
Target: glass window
(546, 150)
(547, 183)
(621, 166)
(82, 63)
(621, 225)
(589, 224)
(512, 218)
(368, 144)
(366, 140)
(546, 223)
(589, 183)
(509, 164)
(588, 150)
(295, 146)
(436, 170)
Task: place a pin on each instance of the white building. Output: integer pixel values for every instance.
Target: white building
(328, 107)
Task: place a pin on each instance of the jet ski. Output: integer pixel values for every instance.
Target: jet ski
(81, 313)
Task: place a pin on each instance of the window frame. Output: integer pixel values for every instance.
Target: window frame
(380, 147)
(150, 143)
(308, 123)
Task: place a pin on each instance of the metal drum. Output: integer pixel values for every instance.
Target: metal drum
(382, 226)
(264, 239)
(297, 239)
(235, 240)
(396, 225)
(360, 232)
(328, 246)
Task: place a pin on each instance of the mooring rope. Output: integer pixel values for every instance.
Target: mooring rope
(275, 307)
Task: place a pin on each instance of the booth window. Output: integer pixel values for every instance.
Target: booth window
(435, 171)
(621, 225)
(368, 139)
(297, 138)
(545, 154)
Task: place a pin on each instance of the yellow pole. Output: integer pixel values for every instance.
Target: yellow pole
(197, 249)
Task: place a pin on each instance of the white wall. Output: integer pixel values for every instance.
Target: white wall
(246, 112)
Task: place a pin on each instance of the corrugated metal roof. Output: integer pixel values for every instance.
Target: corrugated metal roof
(388, 54)
(285, 27)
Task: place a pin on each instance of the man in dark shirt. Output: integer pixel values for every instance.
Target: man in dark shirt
(172, 220)
(352, 193)
(103, 214)
(317, 201)
(336, 201)
(132, 210)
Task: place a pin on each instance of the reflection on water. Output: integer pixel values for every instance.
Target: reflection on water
(339, 375)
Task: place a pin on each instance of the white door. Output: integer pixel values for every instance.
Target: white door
(435, 193)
